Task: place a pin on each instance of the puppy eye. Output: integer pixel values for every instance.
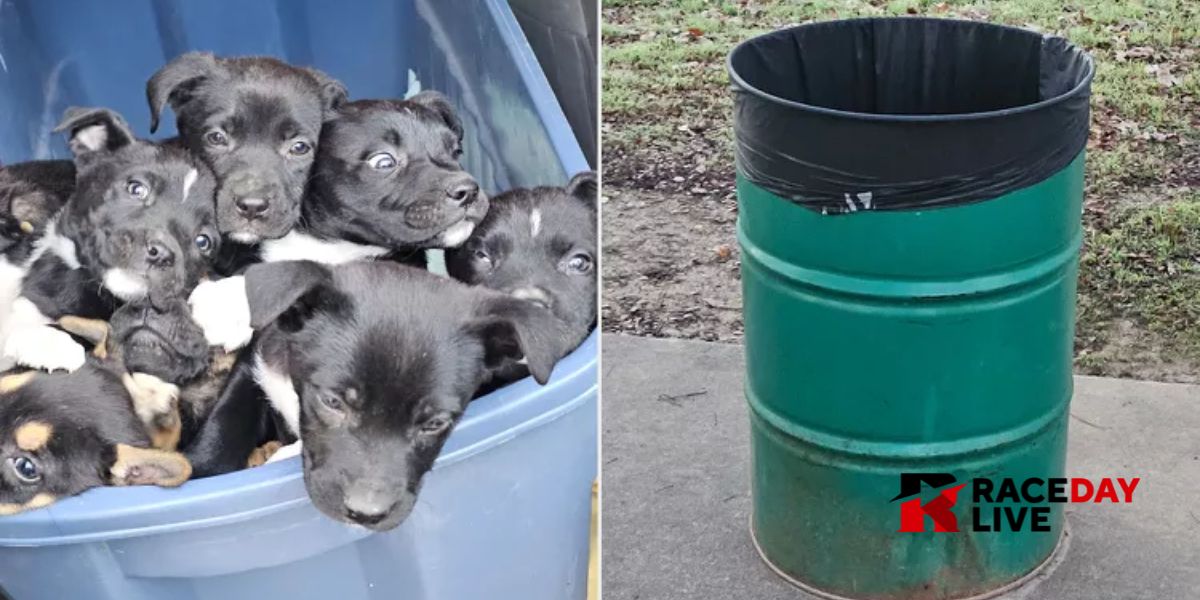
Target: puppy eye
(382, 161)
(26, 470)
(204, 243)
(457, 153)
(300, 148)
(216, 138)
(481, 255)
(137, 189)
(580, 263)
(332, 401)
(434, 425)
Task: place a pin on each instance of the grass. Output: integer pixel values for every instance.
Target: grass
(666, 110)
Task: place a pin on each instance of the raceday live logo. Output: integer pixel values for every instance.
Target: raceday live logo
(992, 500)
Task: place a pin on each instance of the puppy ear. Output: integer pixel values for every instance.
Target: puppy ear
(440, 105)
(287, 291)
(94, 130)
(175, 81)
(144, 466)
(585, 187)
(511, 329)
(333, 92)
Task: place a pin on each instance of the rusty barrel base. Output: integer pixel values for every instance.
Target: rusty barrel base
(1023, 583)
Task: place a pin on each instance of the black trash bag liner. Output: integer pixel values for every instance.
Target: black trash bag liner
(906, 113)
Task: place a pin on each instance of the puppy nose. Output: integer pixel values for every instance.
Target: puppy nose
(251, 207)
(532, 294)
(366, 510)
(464, 192)
(159, 255)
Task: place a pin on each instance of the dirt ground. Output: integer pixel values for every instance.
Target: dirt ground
(671, 264)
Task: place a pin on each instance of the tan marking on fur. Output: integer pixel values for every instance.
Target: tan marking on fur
(147, 466)
(154, 400)
(11, 383)
(33, 436)
(95, 331)
(263, 453)
(26, 227)
(165, 432)
(39, 501)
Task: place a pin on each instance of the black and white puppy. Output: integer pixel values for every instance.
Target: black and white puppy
(139, 225)
(256, 121)
(387, 182)
(30, 194)
(539, 245)
(372, 363)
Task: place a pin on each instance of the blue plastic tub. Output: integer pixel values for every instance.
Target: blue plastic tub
(505, 512)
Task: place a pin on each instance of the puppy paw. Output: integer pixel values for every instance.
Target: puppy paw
(156, 403)
(263, 453)
(222, 311)
(286, 452)
(44, 347)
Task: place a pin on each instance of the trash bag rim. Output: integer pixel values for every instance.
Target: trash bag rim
(740, 84)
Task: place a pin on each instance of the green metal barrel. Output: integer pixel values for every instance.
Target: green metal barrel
(910, 196)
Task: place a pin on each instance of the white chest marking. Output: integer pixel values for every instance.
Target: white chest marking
(188, 181)
(125, 284)
(535, 222)
(55, 244)
(301, 246)
(280, 392)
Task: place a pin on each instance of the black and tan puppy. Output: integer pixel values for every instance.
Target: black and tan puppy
(30, 194)
(64, 433)
(539, 245)
(256, 121)
(371, 364)
(139, 224)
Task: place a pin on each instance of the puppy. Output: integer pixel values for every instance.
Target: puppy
(139, 224)
(30, 194)
(164, 352)
(371, 363)
(387, 182)
(64, 433)
(256, 122)
(387, 178)
(538, 245)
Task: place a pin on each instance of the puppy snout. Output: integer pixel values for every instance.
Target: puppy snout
(158, 254)
(252, 195)
(532, 294)
(251, 207)
(368, 508)
(463, 192)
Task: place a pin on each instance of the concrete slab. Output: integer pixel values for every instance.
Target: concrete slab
(676, 483)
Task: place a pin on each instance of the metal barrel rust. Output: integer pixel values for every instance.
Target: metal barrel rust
(909, 260)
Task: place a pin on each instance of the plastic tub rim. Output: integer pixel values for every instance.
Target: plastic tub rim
(741, 83)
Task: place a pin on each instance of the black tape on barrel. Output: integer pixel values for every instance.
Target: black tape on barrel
(906, 113)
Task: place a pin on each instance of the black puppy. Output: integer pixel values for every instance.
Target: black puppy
(387, 182)
(538, 245)
(256, 122)
(165, 358)
(63, 433)
(370, 364)
(387, 178)
(140, 224)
